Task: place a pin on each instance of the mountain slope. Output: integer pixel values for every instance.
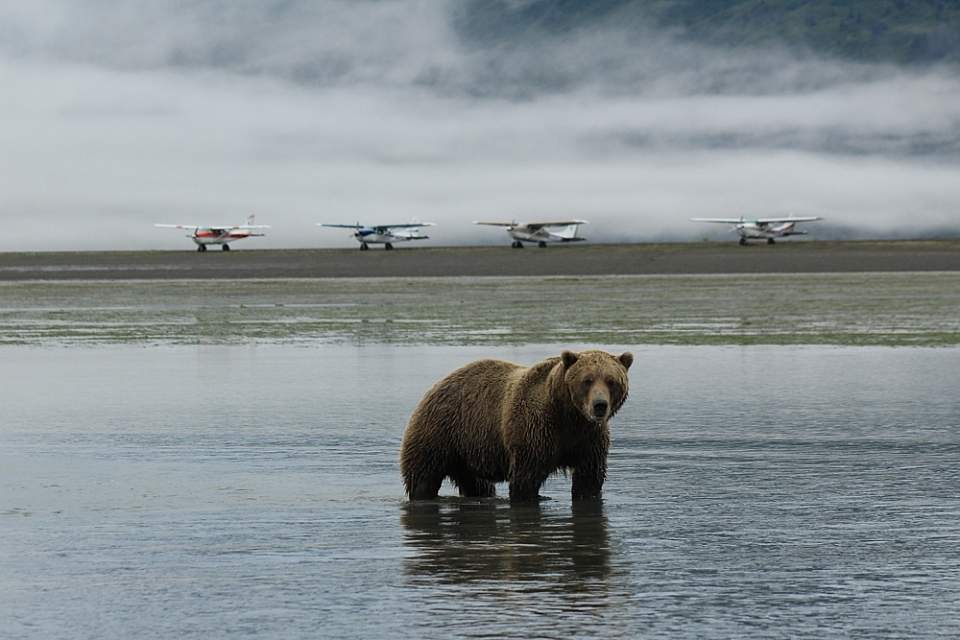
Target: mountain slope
(899, 31)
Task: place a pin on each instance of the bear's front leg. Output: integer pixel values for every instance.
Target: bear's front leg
(526, 478)
(524, 491)
(588, 481)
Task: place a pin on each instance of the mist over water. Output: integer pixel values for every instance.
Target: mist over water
(448, 111)
(768, 492)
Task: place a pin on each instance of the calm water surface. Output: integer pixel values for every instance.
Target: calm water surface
(769, 492)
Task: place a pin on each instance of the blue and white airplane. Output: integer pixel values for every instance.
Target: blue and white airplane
(385, 234)
(763, 228)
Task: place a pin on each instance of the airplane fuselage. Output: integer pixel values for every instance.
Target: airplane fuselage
(522, 233)
(541, 235)
(385, 236)
(220, 236)
(766, 231)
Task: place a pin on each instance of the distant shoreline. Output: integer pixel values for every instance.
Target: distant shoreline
(246, 261)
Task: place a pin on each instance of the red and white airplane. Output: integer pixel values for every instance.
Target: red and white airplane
(539, 232)
(763, 228)
(218, 235)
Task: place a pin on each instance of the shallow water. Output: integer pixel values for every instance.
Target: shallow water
(769, 492)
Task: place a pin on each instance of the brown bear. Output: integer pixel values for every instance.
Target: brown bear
(492, 421)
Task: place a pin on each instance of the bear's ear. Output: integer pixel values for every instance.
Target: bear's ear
(568, 357)
(626, 359)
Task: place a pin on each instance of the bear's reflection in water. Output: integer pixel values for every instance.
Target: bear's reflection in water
(459, 541)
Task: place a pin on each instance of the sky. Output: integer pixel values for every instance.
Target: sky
(118, 115)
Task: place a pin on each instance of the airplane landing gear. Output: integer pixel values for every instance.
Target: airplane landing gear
(388, 246)
(743, 241)
(226, 247)
(201, 248)
(517, 244)
(542, 244)
(363, 246)
(770, 241)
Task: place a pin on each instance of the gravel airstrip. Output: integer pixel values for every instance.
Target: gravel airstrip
(246, 261)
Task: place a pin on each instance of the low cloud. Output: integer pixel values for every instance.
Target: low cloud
(119, 117)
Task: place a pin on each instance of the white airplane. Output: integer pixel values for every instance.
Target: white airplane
(385, 234)
(218, 235)
(763, 228)
(539, 232)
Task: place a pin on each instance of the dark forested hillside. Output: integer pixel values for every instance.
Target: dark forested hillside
(899, 31)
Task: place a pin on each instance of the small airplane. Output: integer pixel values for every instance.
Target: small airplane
(385, 234)
(763, 228)
(218, 235)
(539, 232)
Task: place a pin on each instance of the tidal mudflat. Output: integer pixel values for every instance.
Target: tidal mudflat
(906, 309)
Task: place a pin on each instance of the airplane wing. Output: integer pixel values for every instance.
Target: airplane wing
(341, 226)
(533, 225)
(560, 223)
(788, 219)
(759, 220)
(219, 228)
(408, 225)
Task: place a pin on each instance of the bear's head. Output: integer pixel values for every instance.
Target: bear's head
(597, 382)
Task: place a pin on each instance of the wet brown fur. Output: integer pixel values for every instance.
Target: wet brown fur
(493, 421)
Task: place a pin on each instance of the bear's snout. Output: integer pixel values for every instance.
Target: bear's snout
(597, 406)
(600, 407)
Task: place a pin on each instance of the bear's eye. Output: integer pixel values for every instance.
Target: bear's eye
(587, 382)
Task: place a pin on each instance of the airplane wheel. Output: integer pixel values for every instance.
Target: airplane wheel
(226, 247)
(542, 244)
(363, 246)
(517, 245)
(201, 248)
(770, 241)
(743, 242)
(388, 246)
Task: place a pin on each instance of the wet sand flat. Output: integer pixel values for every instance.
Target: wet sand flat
(246, 261)
(893, 309)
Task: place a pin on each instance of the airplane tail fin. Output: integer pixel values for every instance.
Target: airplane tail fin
(568, 232)
(251, 218)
